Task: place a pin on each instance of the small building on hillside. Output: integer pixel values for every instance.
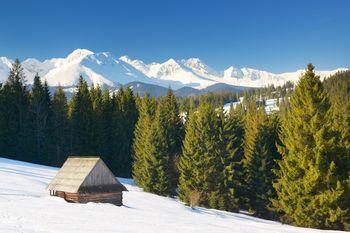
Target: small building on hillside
(86, 179)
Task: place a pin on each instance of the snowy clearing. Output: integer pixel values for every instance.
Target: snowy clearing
(25, 206)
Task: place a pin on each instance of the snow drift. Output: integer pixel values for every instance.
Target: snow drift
(25, 206)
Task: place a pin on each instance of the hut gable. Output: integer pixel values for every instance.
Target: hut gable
(85, 175)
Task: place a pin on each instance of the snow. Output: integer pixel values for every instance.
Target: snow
(227, 107)
(26, 207)
(107, 70)
(271, 105)
(195, 73)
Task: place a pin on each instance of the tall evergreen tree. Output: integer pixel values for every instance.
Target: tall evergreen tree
(174, 133)
(106, 131)
(233, 133)
(60, 129)
(338, 90)
(253, 121)
(128, 118)
(309, 188)
(260, 155)
(200, 165)
(40, 120)
(157, 163)
(14, 115)
(81, 121)
(142, 130)
(96, 100)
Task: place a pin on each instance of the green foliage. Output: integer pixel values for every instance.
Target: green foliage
(200, 166)
(142, 130)
(310, 189)
(81, 121)
(40, 113)
(338, 90)
(14, 125)
(126, 121)
(260, 155)
(157, 159)
(233, 133)
(60, 130)
(174, 133)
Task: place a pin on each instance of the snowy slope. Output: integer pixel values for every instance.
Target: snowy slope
(26, 207)
(107, 70)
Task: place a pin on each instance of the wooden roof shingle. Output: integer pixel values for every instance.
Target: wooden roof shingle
(88, 174)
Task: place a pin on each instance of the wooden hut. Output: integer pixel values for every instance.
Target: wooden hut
(86, 179)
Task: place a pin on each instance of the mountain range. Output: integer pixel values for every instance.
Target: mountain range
(188, 76)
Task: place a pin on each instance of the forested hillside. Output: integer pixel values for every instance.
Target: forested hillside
(292, 165)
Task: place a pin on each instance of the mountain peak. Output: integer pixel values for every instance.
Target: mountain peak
(125, 58)
(79, 54)
(199, 66)
(171, 61)
(233, 72)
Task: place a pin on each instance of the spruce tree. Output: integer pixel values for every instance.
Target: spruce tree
(105, 131)
(200, 166)
(157, 161)
(15, 115)
(250, 162)
(338, 90)
(96, 100)
(174, 133)
(233, 133)
(259, 160)
(81, 121)
(309, 188)
(142, 130)
(60, 129)
(128, 118)
(41, 121)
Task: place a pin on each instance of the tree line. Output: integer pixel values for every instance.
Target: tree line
(40, 128)
(292, 165)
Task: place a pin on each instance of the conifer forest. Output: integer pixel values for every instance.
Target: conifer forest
(291, 165)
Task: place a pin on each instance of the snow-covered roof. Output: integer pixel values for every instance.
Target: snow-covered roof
(88, 174)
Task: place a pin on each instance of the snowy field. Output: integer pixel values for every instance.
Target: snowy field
(25, 206)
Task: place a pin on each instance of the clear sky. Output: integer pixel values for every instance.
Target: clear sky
(277, 35)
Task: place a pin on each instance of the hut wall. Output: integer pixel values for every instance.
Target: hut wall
(113, 198)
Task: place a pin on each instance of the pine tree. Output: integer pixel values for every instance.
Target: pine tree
(40, 119)
(200, 165)
(81, 121)
(260, 155)
(105, 130)
(250, 162)
(142, 130)
(128, 118)
(60, 129)
(96, 100)
(14, 127)
(310, 191)
(157, 165)
(337, 88)
(174, 133)
(233, 133)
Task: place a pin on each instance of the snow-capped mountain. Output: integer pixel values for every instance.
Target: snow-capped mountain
(194, 73)
(107, 70)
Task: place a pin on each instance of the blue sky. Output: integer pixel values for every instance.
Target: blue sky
(264, 34)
